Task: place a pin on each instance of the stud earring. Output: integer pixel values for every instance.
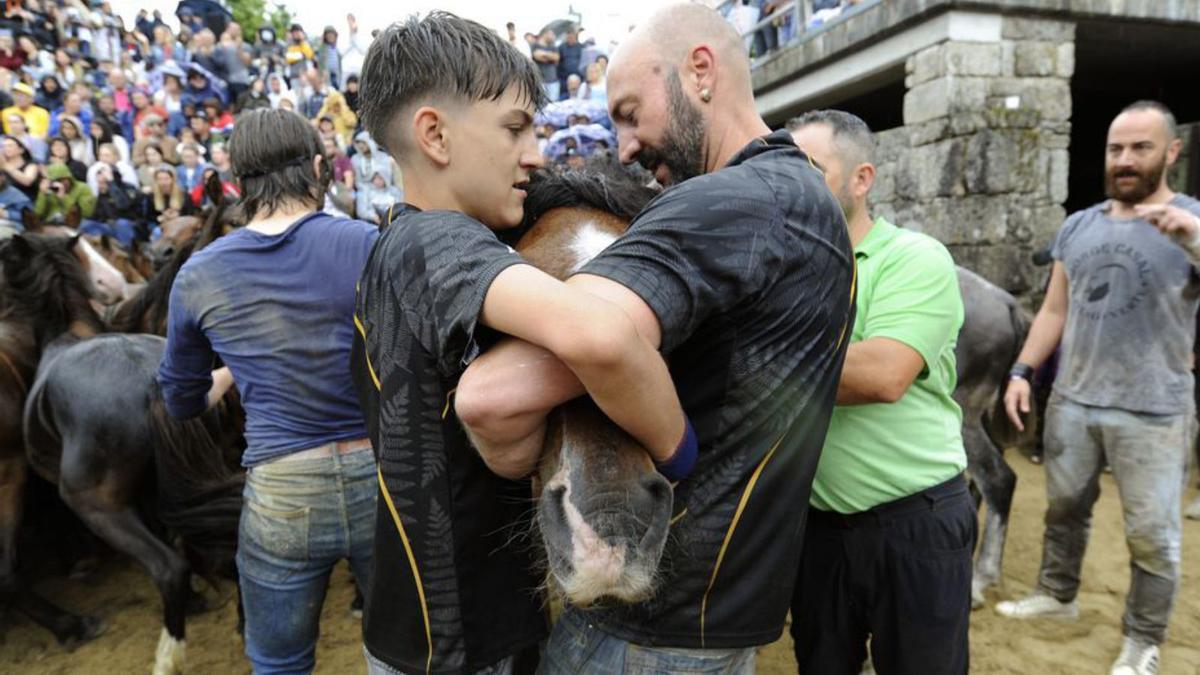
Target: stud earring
(705, 95)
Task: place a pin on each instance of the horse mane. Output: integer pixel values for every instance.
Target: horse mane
(45, 284)
(603, 185)
(199, 495)
(149, 307)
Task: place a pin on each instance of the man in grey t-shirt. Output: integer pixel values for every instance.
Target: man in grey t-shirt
(1122, 298)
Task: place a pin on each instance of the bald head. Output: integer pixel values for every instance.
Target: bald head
(672, 33)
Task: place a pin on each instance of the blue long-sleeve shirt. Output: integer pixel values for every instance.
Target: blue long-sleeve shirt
(278, 310)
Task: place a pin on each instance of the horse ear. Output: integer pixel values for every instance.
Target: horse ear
(212, 189)
(16, 249)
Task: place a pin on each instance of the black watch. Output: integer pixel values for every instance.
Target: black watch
(1021, 370)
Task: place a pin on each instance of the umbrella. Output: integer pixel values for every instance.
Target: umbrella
(216, 17)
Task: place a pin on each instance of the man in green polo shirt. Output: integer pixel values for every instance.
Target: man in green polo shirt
(891, 531)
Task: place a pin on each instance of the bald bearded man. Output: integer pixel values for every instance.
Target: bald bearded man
(742, 273)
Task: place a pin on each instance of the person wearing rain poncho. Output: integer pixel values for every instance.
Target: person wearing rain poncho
(373, 180)
(277, 90)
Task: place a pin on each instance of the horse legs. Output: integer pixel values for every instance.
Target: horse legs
(119, 525)
(13, 474)
(996, 482)
(70, 630)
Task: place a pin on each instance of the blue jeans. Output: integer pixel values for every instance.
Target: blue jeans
(1148, 455)
(578, 648)
(300, 517)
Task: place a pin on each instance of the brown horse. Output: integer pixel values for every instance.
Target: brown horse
(47, 287)
(132, 264)
(137, 478)
(175, 233)
(604, 511)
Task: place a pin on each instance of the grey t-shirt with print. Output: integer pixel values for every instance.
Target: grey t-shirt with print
(1131, 321)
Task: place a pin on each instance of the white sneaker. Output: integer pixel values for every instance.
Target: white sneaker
(1192, 512)
(1038, 606)
(1137, 658)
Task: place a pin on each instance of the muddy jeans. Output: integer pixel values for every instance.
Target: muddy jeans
(300, 517)
(1148, 456)
(578, 648)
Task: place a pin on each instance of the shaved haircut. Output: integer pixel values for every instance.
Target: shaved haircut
(851, 135)
(1169, 122)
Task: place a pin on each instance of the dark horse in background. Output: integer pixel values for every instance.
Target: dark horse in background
(47, 286)
(96, 426)
(604, 514)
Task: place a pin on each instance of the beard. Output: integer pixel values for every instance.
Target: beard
(682, 148)
(1147, 182)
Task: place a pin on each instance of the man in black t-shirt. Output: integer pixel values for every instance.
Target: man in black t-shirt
(451, 591)
(742, 272)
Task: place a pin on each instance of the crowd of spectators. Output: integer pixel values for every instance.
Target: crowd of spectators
(767, 25)
(115, 127)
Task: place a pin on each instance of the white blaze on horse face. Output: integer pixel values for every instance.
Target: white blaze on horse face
(168, 658)
(589, 241)
(599, 569)
(108, 280)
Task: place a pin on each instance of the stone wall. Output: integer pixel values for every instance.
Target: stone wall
(1183, 176)
(981, 161)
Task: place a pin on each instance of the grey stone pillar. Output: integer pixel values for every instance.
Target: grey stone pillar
(981, 161)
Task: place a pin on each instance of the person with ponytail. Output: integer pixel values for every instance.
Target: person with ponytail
(274, 301)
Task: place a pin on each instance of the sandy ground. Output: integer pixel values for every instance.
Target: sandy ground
(121, 594)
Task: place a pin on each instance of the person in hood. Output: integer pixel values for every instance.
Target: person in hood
(253, 98)
(277, 90)
(59, 193)
(50, 93)
(329, 59)
(200, 86)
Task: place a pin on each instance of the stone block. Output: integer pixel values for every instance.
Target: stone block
(1007, 265)
(1050, 96)
(928, 132)
(973, 219)
(972, 59)
(928, 101)
(934, 170)
(884, 189)
(1036, 59)
(1008, 58)
(1029, 28)
(1060, 163)
(890, 144)
(924, 66)
(1064, 60)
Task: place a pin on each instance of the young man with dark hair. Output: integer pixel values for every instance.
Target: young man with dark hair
(454, 103)
(274, 301)
(742, 271)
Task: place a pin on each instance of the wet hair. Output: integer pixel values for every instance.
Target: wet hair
(271, 153)
(853, 137)
(440, 56)
(1169, 121)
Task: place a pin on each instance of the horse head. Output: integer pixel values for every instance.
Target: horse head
(48, 284)
(176, 232)
(604, 511)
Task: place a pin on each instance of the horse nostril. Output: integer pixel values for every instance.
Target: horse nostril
(656, 486)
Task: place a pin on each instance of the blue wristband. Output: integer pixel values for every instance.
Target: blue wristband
(680, 465)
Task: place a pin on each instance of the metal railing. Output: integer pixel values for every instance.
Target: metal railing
(787, 23)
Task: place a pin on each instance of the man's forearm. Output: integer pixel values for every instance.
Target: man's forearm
(503, 399)
(1044, 336)
(632, 385)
